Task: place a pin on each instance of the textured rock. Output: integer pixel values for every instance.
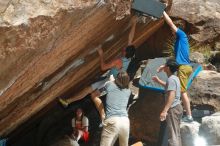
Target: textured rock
(217, 46)
(52, 52)
(205, 89)
(18, 12)
(189, 131)
(197, 57)
(209, 129)
(144, 115)
(200, 20)
(215, 59)
(209, 66)
(204, 15)
(121, 7)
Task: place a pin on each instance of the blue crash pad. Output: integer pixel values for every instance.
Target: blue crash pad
(151, 70)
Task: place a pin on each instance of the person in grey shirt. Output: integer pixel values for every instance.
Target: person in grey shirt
(172, 111)
(115, 119)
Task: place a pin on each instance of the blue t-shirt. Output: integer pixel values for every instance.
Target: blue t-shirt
(125, 63)
(116, 100)
(181, 48)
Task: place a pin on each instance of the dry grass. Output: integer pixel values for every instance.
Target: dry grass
(205, 49)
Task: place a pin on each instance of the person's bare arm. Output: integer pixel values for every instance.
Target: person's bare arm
(98, 103)
(132, 31)
(169, 22)
(106, 66)
(156, 79)
(85, 128)
(169, 101)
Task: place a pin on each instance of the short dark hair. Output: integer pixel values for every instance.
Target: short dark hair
(122, 80)
(130, 51)
(172, 64)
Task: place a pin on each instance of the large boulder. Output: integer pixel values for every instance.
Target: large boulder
(189, 131)
(203, 15)
(209, 129)
(205, 89)
(48, 49)
(144, 116)
(200, 20)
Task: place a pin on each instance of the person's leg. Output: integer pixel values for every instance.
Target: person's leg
(98, 103)
(83, 93)
(109, 132)
(186, 103)
(183, 73)
(173, 125)
(179, 114)
(80, 135)
(179, 117)
(78, 96)
(124, 131)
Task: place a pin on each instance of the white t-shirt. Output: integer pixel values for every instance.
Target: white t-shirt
(80, 124)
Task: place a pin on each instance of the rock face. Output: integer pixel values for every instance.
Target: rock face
(203, 15)
(48, 49)
(144, 115)
(18, 12)
(197, 57)
(215, 59)
(209, 129)
(201, 22)
(205, 89)
(189, 131)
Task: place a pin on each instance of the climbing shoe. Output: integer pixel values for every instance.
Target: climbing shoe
(187, 119)
(63, 102)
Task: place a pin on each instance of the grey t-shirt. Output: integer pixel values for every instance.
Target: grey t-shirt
(173, 84)
(116, 100)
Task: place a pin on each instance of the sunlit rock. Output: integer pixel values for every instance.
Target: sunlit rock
(209, 129)
(189, 131)
(203, 15)
(205, 89)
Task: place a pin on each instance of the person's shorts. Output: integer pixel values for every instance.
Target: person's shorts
(184, 73)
